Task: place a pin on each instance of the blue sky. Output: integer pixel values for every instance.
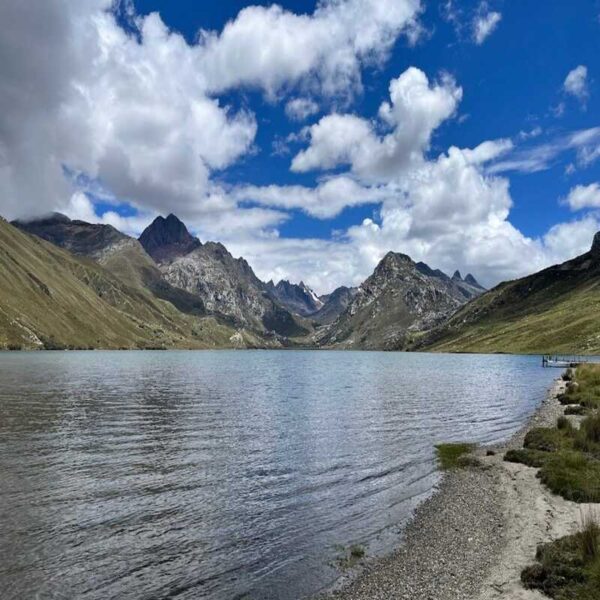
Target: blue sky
(512, 83)
(245, 171)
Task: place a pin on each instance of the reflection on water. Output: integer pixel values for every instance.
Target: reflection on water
(227, 474)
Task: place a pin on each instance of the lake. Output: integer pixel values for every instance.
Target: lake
(224, 474)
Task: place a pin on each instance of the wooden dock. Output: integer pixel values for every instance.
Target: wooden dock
(562, 361)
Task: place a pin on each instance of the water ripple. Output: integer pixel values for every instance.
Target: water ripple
(227, 474)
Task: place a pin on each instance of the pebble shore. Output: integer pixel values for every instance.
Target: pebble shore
(455, 537)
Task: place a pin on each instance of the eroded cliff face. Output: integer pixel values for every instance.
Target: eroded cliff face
(400, 299)
(226, 285)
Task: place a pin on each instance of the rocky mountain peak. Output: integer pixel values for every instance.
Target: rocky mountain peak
(393, 261)
(595, 251)
(472, 281)
(457, 276)
(166, 238)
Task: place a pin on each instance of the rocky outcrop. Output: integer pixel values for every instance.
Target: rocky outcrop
(226, 285)
(334, 305)
(400, 299)
(78, 237)
(296, 297)
(167, 238)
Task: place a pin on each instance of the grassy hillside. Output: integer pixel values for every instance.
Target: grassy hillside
(50, 298)
(555, 310)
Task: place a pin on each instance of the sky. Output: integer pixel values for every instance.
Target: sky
(312, 137)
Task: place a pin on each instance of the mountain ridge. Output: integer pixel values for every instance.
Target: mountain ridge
(400, 299)
(552, 310)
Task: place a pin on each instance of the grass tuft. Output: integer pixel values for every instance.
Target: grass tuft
(590, 536)
(568, 568)
(453, 455)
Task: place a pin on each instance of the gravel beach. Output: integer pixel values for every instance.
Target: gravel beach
(473, 537)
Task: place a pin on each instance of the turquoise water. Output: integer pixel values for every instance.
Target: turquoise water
(228, 474)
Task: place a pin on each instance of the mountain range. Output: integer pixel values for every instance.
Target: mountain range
(68, 283)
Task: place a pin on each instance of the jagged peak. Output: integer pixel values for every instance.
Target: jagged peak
(595, 250)
(167, 236)
(457, 276)
(472, 281)
(395, 257)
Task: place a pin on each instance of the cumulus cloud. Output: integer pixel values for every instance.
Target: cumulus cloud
(139, 111)
(132, 113)
(584, 196)
(576, 83)
(271, 48)
(136, 117)
(416, 108)
(484, 23)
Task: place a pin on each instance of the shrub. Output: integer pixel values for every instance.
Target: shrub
(547, 439)
(572, 475)
(591, 427)
(531, 458)
(568, 568)
(563, 423)
(564, 399)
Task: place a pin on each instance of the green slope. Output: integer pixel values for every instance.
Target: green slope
(554, 311)
(50, 298)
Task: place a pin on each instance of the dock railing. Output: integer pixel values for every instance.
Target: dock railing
(563, 360)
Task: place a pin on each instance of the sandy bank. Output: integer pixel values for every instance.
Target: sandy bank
(471, 540)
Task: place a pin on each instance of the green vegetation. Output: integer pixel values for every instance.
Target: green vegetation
(455, 455)
(350, 557)
(52, 299)
(553, 311)
(569, 458)
(569, 568)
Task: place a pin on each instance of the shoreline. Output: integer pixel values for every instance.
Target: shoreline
(473, 536)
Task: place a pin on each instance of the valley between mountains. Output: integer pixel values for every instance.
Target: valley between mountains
(67, 284)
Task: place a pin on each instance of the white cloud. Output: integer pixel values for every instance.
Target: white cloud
(271, 48)
(576, 83)
(585, 144)
(324, 201)
(584, 196)
(415, 110)
(131, 113)
(299, 109)
(567, 240)
(139, 113)
(484, 23)
(139, 116)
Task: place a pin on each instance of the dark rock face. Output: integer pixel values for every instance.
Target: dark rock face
(296, 297)
(167, 238)
(226, 285)
(79, 237)
(400, 299)
(472, 281)
(595, 250)
(334, 305)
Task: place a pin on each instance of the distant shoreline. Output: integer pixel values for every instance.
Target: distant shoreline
(473, 536)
